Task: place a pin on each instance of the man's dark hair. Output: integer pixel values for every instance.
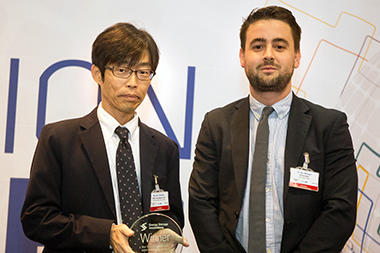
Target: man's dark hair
(271, 12)
(123, 43)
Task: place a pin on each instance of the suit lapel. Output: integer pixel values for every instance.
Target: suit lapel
(240, 144)
(93, 143)
(298, 126)
(148, 153)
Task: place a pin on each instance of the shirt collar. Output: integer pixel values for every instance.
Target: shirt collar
(281, 108)
(110, 123)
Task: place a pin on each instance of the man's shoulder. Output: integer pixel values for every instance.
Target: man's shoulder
(228, 109)
(157, 135)
(322, 117)
(67, 126)
(319, 110)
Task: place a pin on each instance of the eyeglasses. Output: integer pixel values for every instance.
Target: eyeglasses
(125, 72)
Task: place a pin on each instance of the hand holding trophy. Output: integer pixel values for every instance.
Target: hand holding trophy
(157, 233)
(166, 240)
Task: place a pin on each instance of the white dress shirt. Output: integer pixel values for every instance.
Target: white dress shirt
(108, 124)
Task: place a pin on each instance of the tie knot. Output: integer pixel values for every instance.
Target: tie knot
(267, 110)
(122, 132)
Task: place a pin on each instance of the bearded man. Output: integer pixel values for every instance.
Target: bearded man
(272, 172)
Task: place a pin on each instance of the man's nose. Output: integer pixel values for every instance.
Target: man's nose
(132, 81)
(268, 54)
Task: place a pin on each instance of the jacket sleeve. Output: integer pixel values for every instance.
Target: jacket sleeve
(203, 194)
(174, 188)
(43, 218)
(339, 196)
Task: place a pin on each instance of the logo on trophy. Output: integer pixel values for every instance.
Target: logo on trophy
(156, 233)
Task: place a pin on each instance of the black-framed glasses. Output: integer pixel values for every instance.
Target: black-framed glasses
(126, 72)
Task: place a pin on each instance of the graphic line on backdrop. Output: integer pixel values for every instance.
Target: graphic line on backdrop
(366, 223)
(336, 22)
(365, 182)
(358, 204)
(353, 67)
(314, 55)
(363, 146)
(373, 239)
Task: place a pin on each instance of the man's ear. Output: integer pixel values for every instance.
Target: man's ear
(297, 59)
(96, 74)
(242, 57)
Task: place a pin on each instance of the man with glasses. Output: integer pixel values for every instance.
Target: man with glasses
(92, 177)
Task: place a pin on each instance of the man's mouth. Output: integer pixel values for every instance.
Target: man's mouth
(130, 97)
(268, 69)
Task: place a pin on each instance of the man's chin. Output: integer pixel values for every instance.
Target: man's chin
(269, 77)
(268, 87)
(265, 88)
(127, 109)
(269, 83)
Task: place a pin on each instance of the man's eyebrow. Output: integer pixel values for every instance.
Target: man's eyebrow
(256, 40)
(281, 40)
(143, 64)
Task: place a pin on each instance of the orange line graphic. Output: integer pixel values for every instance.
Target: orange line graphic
(315, 53)
(337, 22)
(332, 26)
(361, 194)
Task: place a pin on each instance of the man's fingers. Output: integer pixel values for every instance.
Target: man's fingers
(119, 238)
(177, 238)
(125, 230)
(185, 242)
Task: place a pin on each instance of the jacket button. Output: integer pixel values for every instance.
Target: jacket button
(237, 214)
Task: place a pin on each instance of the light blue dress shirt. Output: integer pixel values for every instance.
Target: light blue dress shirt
(278, 125)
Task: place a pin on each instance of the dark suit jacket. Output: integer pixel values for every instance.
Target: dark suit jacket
(69, 204)
(313, 221)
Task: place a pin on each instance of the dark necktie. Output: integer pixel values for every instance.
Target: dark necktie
(257, 234)
(129, 194)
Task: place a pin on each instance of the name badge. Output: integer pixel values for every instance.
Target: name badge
(304, 177)
(159, 199)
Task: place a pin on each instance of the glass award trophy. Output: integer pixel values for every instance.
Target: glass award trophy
(156, 233)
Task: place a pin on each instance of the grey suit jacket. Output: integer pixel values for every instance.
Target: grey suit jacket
(313, 221)
(69, 204)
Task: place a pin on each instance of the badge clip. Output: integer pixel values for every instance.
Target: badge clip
(305, 165)
(156, 185)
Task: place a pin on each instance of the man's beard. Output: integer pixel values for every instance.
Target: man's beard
(276, 84)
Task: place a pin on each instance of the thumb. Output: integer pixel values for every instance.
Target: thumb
(179, 239)
(127, 231)
(185, 242)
